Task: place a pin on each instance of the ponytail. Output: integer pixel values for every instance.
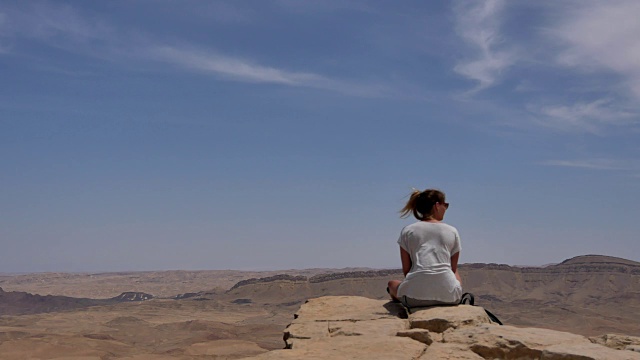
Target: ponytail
(410, 207)
(420, 203)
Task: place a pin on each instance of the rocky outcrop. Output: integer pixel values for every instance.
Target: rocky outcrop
(576, 265)
(185, 296)
(354, 274)
(268, 279)
(620, 342)
(320, 277)
(349, 327)
(132, 296)
(22, 303)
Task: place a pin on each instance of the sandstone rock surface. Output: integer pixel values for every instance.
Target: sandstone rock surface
(440, 318)
(334, 316)
(349, 327)
(620, 342)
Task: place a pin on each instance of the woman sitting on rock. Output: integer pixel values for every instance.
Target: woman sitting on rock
(429, 250)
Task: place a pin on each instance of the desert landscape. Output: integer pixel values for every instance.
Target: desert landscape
(235, 314)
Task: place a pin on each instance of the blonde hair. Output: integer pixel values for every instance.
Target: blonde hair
(420, 203)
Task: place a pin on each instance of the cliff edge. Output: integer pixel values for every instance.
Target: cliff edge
(351, 327)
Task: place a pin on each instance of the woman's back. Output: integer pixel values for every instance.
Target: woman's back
(430, 245)
(429, 251)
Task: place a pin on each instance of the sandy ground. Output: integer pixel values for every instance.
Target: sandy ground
(591, 299)
(156, 329)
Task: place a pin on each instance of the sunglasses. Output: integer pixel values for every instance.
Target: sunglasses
(446, 205)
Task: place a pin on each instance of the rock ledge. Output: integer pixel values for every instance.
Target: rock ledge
(351, 327)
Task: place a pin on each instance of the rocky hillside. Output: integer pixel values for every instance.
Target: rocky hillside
(586, 264)
(132, 296)
(595, 294)
(361, 328)
(587, 294)
(22, 303)
(599, 291)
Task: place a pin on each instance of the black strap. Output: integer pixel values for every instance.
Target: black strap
(493, 317)
(468, 299)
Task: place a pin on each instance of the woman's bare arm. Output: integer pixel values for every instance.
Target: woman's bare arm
(406, 261)
(454, 266)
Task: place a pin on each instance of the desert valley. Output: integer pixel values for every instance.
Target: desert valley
(235, 314)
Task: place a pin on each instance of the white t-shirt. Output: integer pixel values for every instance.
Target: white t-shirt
(431, 246)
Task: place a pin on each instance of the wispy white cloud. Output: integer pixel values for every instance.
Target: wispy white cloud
(478, 23)
(526, 86)
(52, 23)
(601, 35)
(66, 28)
(55, 26)
(246, 71)
(594, 164)
(589, 117)
(232, 68)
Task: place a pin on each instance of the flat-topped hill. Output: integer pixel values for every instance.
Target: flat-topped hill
(589, 263)
(159, 283)
(599, 259)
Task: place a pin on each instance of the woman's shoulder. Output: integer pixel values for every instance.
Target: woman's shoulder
(426, 224)
(450, 226)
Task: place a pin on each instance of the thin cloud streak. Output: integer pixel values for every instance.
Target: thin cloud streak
(478, 24)
(232, 68)
(594, 164)
(63, 27)
(246, 71)
(53, 24)
(591, 117)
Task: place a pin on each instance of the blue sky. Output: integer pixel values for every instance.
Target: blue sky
(150, 135)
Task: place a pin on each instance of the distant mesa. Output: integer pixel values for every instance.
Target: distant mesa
(132, 296)
(319, 278)
(597, 264)
(583, 263)
(185, 296)
(268, 279)
(242, 301)
(197, 296)
(99, 336)
(592, 279)
(22, 303)
(598, 259)
(353, 274)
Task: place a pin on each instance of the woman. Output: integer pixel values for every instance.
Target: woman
(429, 250)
